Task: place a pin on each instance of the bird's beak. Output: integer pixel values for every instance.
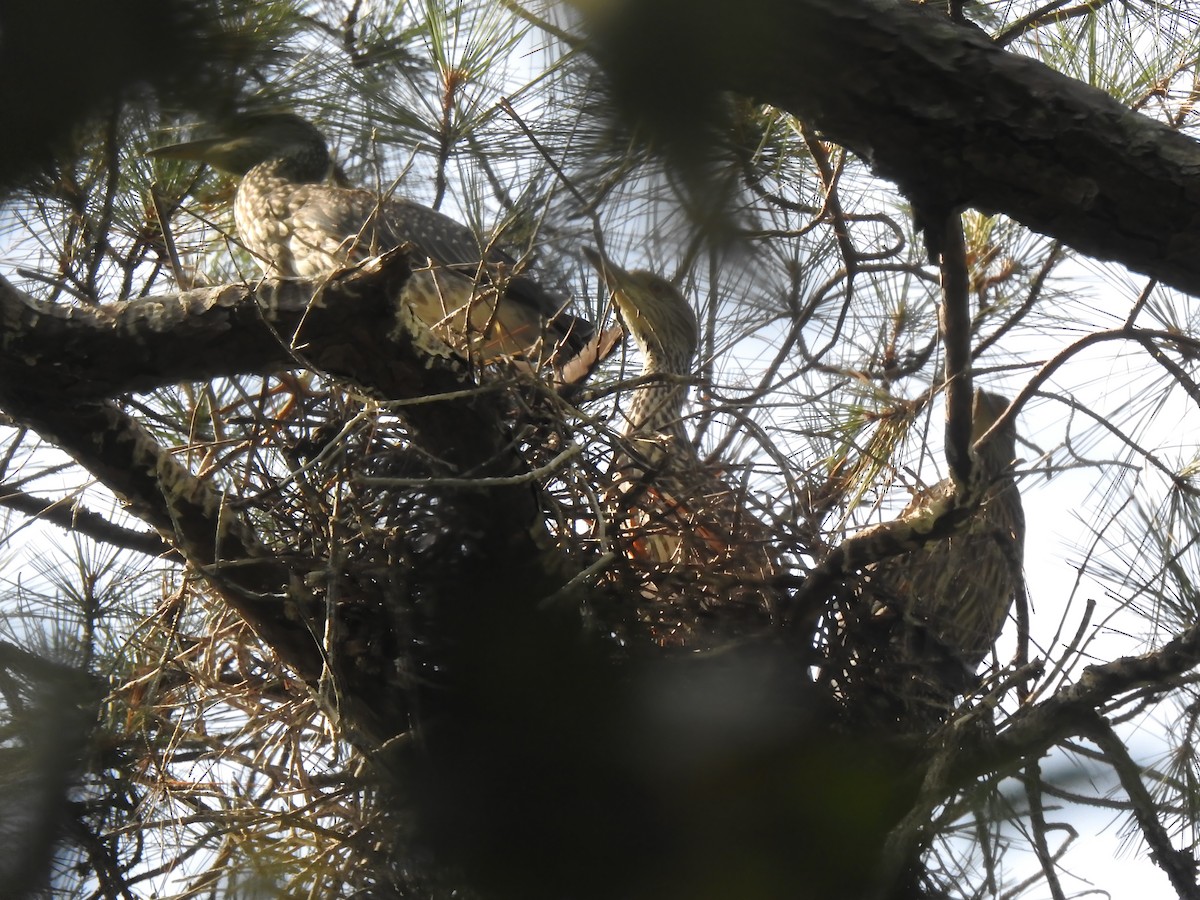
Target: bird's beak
(616, 278)
(200, 150)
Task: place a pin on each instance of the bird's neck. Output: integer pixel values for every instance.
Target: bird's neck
(260, 184)
(299, 165)
(997, 456)
(655, 408)
(265, 197)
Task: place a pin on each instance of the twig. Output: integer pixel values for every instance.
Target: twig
(1179, 865)
(1037, 818)
(164, 224)
(575, 43)
(528, 477)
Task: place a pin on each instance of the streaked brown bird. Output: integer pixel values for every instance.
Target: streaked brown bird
(298, 225)
(928, 618)
(703, 565)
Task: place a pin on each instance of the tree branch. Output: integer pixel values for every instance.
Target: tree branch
(955, 321)
(71, 517)
(102, 351)
(60, 364)
(1071, 711)
(1179, 865)
(936, 521)
(952, 118)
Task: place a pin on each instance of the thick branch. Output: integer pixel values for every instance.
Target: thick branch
(935, 106)
(71, 517)
(1071, 711)
(955, 316)
(357, 325)
(102, 351)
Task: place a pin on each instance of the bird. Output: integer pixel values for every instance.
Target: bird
(703, 564)
(297, 225)
(927, 619)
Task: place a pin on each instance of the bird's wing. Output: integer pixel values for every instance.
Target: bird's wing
(448, 243)
(357, 219)
(445, 241)
(451, 244)
(366, 225)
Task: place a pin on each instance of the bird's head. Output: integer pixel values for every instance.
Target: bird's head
(242, 143)
(661, 321)
(1001, 447)
(985, 411)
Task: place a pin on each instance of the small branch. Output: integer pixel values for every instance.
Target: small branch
(1037, 819)
(1055, 363)
(163, 218)
(955, 316)
(528, 477)
(935, 522)
(832, 207)
(1179, 865)
(1140, 303)
(1047, 15)
(514, 7)
(1053, 258)
(563, 178)
(1071, 710)
(70, 517)
(1176, 371)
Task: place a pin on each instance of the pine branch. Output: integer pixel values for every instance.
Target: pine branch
(952, 118)
(71, 517)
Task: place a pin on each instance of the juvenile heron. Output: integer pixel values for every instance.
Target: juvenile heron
(931, 616)
(297, 225)
(704, 564)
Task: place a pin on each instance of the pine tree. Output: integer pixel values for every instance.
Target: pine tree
(344, 611)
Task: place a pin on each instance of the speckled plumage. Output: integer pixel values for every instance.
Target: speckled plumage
(959, 590)
(702, 562)
(926, 620)
(297, 225)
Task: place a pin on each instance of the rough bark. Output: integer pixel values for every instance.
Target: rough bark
(935, 106)
(60, 367)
